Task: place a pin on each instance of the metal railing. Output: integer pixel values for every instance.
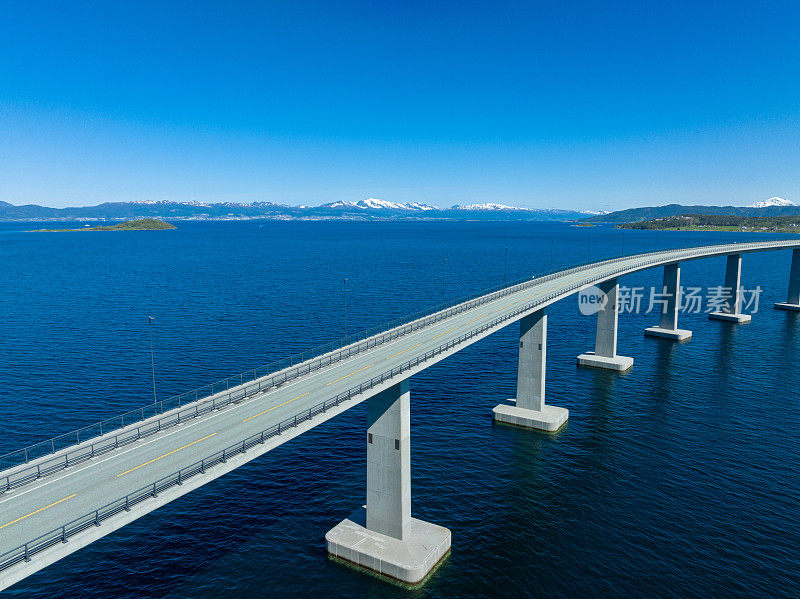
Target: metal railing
(174, 412)
(63, 533)
(305, 363)
(95, 518)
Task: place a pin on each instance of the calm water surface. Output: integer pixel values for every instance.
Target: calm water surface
(677, 479)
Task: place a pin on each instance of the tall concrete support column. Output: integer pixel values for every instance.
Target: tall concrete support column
(382, 536)
(671, 293)
(605, 347)
(530, 410)
(731, 309)
(793, 300)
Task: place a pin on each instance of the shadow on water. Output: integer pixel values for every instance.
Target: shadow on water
(725, 357)
(788, 343)
(661, 389)
(600, 419)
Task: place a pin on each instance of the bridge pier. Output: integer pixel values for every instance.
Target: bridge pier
(605, 347)
(530, 410)
(793, 300)
(382, 536)
(668, 325)
(731, 310)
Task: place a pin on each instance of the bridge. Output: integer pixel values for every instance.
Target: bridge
(64, 493)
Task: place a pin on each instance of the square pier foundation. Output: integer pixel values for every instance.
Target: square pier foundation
(408, 560)
(728, 317)
(549, 419)
(677, 334)
(787, 306)
(617, 363)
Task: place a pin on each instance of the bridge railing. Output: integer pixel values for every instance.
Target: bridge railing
(230, 387)
(61, 534)
(247, 385)
(304, 362)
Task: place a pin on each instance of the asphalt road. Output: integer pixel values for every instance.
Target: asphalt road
(39, 507)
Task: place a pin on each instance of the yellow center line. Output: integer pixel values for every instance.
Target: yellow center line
(352, 373)
(167, 454)
(445, 333)
(273, 407)
(39, 510)
(405, 350)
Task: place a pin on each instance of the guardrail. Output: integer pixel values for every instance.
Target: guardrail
(95, 518)
(243, 389)
(63, 533)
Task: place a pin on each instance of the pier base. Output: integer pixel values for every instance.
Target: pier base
(787, 306)
(548, 419)
(408, 560)
(618, 363)
(728, 317)
(677, 334)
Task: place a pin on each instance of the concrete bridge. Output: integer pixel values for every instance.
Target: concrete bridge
(65, 493)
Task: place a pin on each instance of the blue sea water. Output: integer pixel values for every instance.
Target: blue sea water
(677, 479)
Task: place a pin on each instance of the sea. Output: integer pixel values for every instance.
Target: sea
(679, 478)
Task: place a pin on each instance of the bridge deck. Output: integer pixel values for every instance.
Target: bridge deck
(50, 502)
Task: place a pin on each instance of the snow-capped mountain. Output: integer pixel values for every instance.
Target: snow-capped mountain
(376, 204)
(486, 207)
(776, 201)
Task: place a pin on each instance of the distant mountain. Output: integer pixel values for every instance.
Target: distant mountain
(772, 202)
(366, 209)
(486, 207)
(633, 215)
(375, 204)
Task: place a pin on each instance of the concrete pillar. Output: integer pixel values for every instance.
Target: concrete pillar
(382, 536)
(389, 461)
(671, 290)
(530, 410)
(731, 310)
(793, 300)
(605, 347)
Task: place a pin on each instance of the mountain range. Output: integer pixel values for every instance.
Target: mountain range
(366, 209)
(770, 207)
(372, 209)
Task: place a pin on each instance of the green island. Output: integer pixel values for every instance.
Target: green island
(714, 222)
(144, 224)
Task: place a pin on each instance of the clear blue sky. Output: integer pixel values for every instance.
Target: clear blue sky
(549, 104)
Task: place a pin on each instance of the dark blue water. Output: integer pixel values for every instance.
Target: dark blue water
(677, 479)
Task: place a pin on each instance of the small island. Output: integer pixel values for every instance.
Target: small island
(144, 224)
(713, 222)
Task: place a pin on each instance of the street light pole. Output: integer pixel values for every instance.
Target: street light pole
(344, 287)
(152, 359)
(444, 262)
(588, 246)
(505, 271)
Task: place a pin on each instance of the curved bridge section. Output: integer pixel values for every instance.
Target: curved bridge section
(56, 503)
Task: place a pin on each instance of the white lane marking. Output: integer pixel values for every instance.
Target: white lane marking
(211, 415)
(113, 456)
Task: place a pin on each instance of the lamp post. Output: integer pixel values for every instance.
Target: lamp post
(505, 271)
(588, 246)
(344, 292)
(152, 360)
(444, 262)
